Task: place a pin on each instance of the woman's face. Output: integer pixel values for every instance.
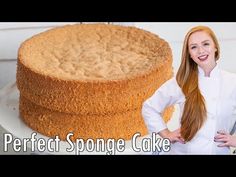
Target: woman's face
(202, 49)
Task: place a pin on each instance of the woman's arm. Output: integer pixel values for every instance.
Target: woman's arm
(173, 136)
(168, 94)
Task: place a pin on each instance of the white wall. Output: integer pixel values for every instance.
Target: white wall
(11, 36)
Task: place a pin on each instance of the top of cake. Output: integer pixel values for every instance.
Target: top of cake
(93, 52)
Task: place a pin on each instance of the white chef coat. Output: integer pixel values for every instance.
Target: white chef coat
(219, 92)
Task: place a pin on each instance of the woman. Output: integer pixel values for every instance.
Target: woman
(206, 96)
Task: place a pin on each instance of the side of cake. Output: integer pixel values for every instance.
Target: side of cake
(51, 123)
(90, 79)
(95, 95)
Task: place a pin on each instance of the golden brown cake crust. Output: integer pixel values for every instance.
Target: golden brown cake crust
(51, 123)
(93, 52)
(90, 96)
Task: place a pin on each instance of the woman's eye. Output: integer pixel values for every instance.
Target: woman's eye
(193, 47)
(206, 44)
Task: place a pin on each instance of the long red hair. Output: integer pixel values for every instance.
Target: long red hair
(194, 113)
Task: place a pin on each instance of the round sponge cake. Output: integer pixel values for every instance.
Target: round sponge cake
(91, 80)
(92, 69)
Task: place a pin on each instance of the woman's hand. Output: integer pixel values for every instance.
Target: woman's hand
(226, 139)
(174, 136)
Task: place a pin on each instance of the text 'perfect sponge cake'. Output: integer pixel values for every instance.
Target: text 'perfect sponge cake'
(90, 79)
